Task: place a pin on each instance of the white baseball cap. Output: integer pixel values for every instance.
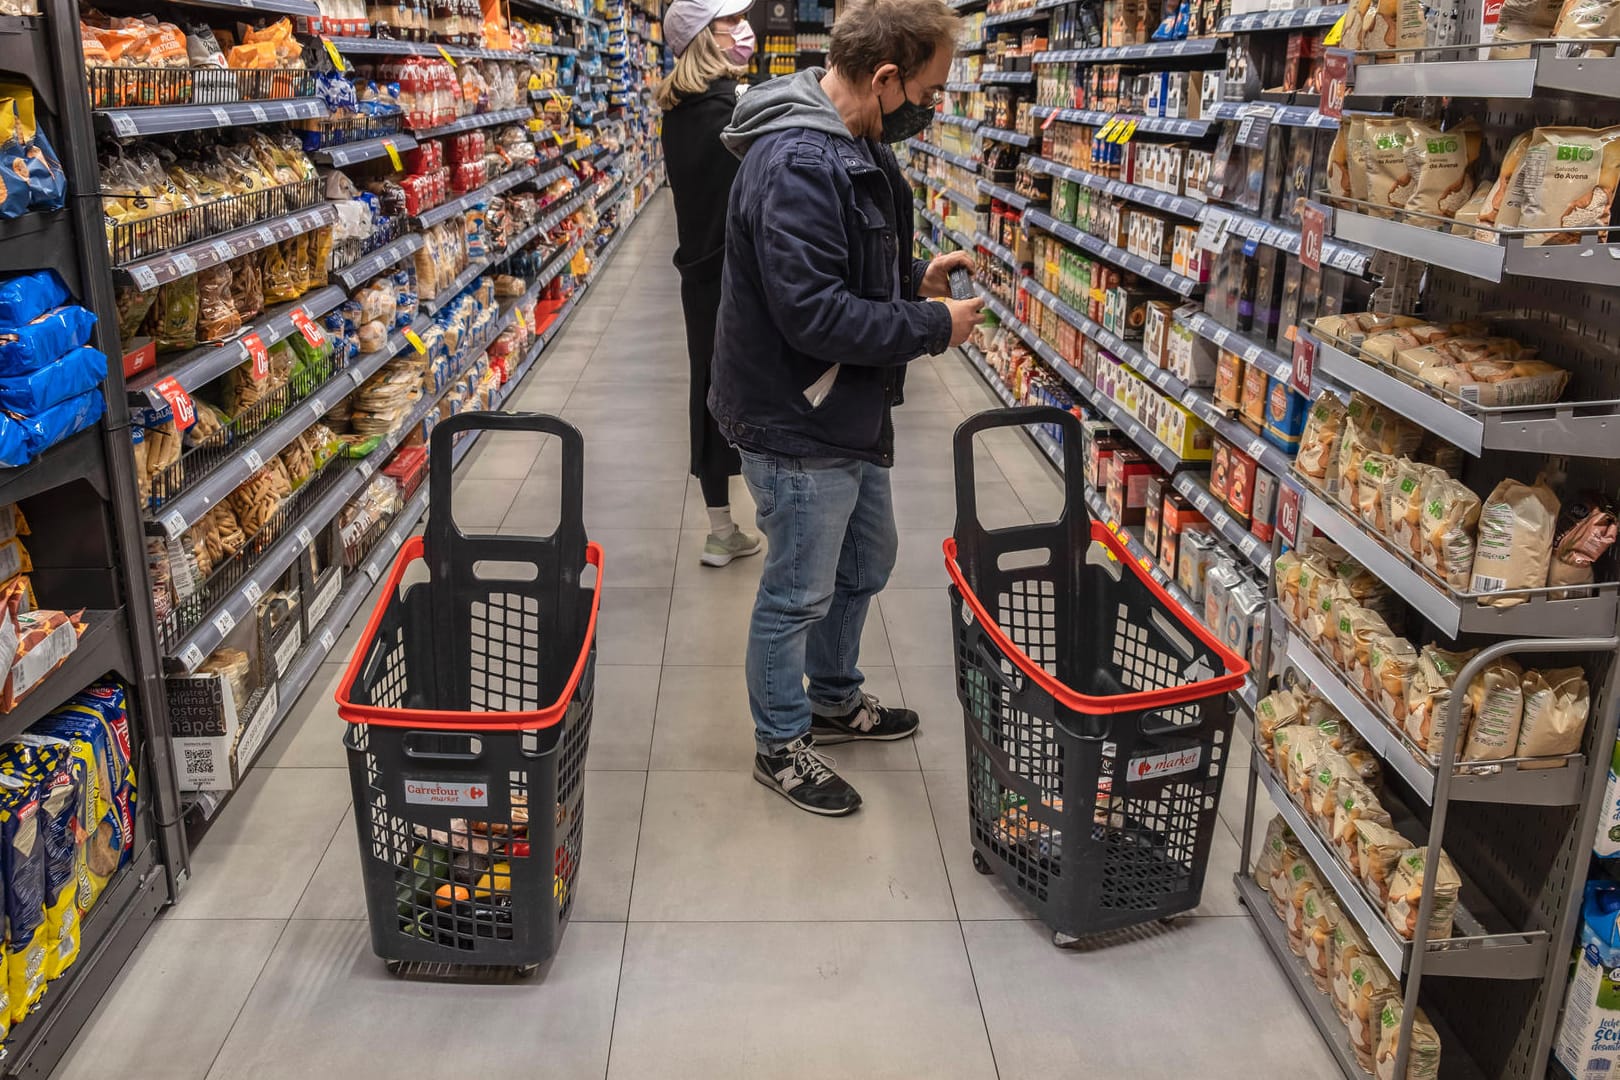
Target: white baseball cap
(684, 18)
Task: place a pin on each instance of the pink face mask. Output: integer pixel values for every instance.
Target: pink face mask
(742, 44)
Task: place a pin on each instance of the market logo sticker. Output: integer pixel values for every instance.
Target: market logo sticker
(1155, 766)
(445, 793)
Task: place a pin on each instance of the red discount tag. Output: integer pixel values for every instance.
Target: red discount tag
(1312, 232)
(1336, 68)
(307, 327)
(1299, 376)
(185, 414)
(259, 354)
(1288, 497)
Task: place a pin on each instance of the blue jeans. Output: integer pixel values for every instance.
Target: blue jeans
(829, 526)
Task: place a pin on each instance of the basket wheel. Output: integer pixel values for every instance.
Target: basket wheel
(1064, 941)
(395, 966)
(527, 970)
(981, 864)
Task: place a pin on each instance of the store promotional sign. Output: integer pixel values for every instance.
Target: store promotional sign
(1336, 69)
(1289, 494)
(1313, 225)
(1304, 365)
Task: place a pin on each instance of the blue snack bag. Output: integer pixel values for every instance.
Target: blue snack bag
(76, 373)
(26, 297)
(14, 440)
(57, 422)
(46, 338)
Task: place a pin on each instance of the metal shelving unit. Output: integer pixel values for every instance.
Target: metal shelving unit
(1159, 275)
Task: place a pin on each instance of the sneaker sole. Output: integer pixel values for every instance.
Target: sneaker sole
(770, 781)
(708, 559)
(825, 737)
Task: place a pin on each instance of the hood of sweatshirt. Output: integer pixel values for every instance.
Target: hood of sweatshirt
(792, 102)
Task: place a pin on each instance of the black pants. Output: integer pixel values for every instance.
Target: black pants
(713, 459)
(715, 480)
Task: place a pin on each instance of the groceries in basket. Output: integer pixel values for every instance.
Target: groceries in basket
(1366, 995)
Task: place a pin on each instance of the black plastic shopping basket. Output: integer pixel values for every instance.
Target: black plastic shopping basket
(469, 705)
(1096, 709)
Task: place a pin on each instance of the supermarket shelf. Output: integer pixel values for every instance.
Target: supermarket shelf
(1540, 616)
(1010, 18)
(1588, 261)
(1153, 50)
(165, 119)
(1159, 200)
(603, 196)
(990, 78)
(957, 121)
(554, 50)
(186, 509)
(960, 160)
(1474, 952)
(1318, 1006)
(556, 9)
(585, 153)
(103, 647)
(1580, 429)
(364, 269)
(359, 46)
(1272, 459)
(1296, 19)
(78, 457)
(547, 93)
(1007, 257)
(1339, 256)
(962, 87)
(1510, 781)
(154, 270)
(1047, 445)
(279, 7)
(1248, 545)
(1252, 352)
(463, 203)
(1006, 195)
(197, 368)
(353, 153)
(960, 239)
(928, 245)
(478, 120)
(1285, 115)
(1176, 283)
(1467, 77)
(1155, 125)
(1109, 340)
(1002, 135)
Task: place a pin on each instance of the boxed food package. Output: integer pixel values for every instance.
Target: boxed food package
(1606, 844)
(1285, 415)
(1229, 381)
(1263, 515)
(1128, 479)
(1178, 516)
(1187, 436)
(1100, 440)
(1253, 408)
(1156, 333)
(1240, 484)
(1191, 359)
(1154, 512)
(217, 720)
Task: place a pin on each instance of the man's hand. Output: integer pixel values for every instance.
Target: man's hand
(937, 281)
(964, 313)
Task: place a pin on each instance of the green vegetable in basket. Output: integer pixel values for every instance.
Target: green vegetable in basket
(430, 867)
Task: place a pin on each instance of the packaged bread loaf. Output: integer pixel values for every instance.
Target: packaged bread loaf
(1406, 892)
(1514, 546)
(1496, 702)
(1377, 848)
(1556, 704)
(1450, 516)
(1423, 1049)
(1568, 179)
(236, 667)
(1428, 697)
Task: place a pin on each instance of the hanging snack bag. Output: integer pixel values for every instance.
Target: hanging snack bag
(1406, 891)
(1515, 540)
(1556, 704)
(1423, 1053)
(1568, 179)
(1496, 700)
(34, 178)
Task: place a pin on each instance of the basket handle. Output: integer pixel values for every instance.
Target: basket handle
(977, 546)
(571, 521)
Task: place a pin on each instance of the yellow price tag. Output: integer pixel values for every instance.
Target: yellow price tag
(521, 320)
(416, 342)
(535, 124)
(534, 82)
(337, 57)
(1107, 131)
(447, 57)
(393, 155)
(1123, 135)
(1336, 33)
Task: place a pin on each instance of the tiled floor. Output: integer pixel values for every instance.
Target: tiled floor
(718, 932)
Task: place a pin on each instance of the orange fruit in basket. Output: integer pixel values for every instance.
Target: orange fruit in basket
(448, 895)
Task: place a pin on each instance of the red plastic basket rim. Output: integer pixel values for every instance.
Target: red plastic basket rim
(427, 719)
(1136, 701)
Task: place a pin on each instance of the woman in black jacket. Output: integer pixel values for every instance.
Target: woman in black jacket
(712, 41)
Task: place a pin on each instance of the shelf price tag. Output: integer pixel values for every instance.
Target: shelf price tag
(179, 402)
(191, 657)
(307, 327)
(335, 56)
(327, 640)
(1212, 233)
(1313, 220)
(1336, 78)
(1299, 374)
(259, 354)
(447, 57)
(254, 592)
(222, 117)
(224, 622)
(253, 459)
(415, 341)
(393, 155)
(123, 125)
(305, 537)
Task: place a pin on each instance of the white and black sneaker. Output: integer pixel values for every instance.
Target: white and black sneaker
(805, 778)
(866, 722)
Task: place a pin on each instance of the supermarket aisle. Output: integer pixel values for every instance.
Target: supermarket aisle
(718, 931)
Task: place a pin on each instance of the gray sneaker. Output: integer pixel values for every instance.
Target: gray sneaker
(739, 545)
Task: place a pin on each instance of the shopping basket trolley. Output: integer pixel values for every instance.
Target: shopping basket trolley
(469, 708)
(1096, 711)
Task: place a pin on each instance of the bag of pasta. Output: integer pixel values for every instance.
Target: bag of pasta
(172, 323)
(216, 307)
(281, 284)
(247, 286)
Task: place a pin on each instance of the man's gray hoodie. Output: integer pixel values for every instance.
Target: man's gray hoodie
(819, 311)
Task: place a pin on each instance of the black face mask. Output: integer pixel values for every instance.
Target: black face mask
(905, 119)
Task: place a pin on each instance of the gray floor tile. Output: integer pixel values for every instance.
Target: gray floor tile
(630, 627)
(1142, 1007)
(638, 558)
(740, 575)
(608, 862)
(326, 1007)
(764, 859)
(622, 719)
(933, 506)
(932, 692)
(871, 1000)
(919, 626)
(259, 856)
(977, 896)
(921, 561)
(174, 1002)
(337, 890)
(311, 734)
(709, 628)
(504, 456)
(703, 723)
(483, 502)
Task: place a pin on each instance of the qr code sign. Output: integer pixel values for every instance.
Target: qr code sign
(199, 761)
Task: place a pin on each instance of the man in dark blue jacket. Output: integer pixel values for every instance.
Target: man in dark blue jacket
(821, 309)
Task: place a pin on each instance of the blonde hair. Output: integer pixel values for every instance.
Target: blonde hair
(698, 67)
